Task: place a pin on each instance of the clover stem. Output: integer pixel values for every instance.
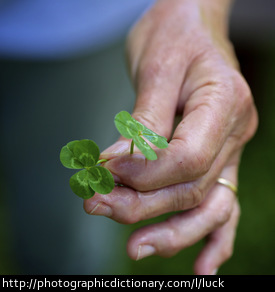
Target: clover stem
(102, 160)
(132, 147)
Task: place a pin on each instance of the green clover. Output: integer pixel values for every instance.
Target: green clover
(132, 129)
(84, 154)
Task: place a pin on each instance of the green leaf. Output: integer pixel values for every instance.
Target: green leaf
(157, 140)
(126, 125)
(145, 148)
(68, 158)
(80, 185)
(101, 180)
(132, 129)
(87, 152)
(79, 154)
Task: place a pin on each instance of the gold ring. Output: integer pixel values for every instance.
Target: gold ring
(228, 184)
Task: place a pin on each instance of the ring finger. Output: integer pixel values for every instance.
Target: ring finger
(184, 229)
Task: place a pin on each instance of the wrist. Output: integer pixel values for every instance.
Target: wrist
(215, 15)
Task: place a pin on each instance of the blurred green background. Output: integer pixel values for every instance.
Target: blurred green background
(255, 241)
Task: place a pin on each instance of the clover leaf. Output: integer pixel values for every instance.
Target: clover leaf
(132, 129)
(84, 154)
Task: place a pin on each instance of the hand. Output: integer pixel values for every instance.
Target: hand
(182, 63)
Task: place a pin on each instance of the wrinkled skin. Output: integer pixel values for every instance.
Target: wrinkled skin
(182, 63)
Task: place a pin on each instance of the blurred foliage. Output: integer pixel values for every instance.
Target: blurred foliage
(256, 233)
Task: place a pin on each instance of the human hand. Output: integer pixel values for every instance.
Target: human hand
(181, 62)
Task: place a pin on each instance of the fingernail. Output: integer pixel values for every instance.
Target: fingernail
(102, 209)
(118, 147)
(145, 251)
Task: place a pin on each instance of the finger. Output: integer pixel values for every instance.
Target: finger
(219, 246)
(182, 230)
(128, 206)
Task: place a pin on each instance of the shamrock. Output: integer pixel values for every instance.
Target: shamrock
(84, 154)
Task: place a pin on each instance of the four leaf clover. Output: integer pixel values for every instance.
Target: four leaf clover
(132, 129)
(84, 155)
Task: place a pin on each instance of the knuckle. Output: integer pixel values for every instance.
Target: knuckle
(172, 244)
(165, 61)
(196, 160)
(246, 110)
(222, 211)
(223, 214)
(151, 70)
(244, 94)
(148, 118)
(199, 160)
(127, 209)
(186, 197)
(202, 161)
(253, 124)
(128, 218)
(227, 252)
(171, 241)
(241, 86)
(196, 195)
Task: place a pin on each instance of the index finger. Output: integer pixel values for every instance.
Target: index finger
(195, 144)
